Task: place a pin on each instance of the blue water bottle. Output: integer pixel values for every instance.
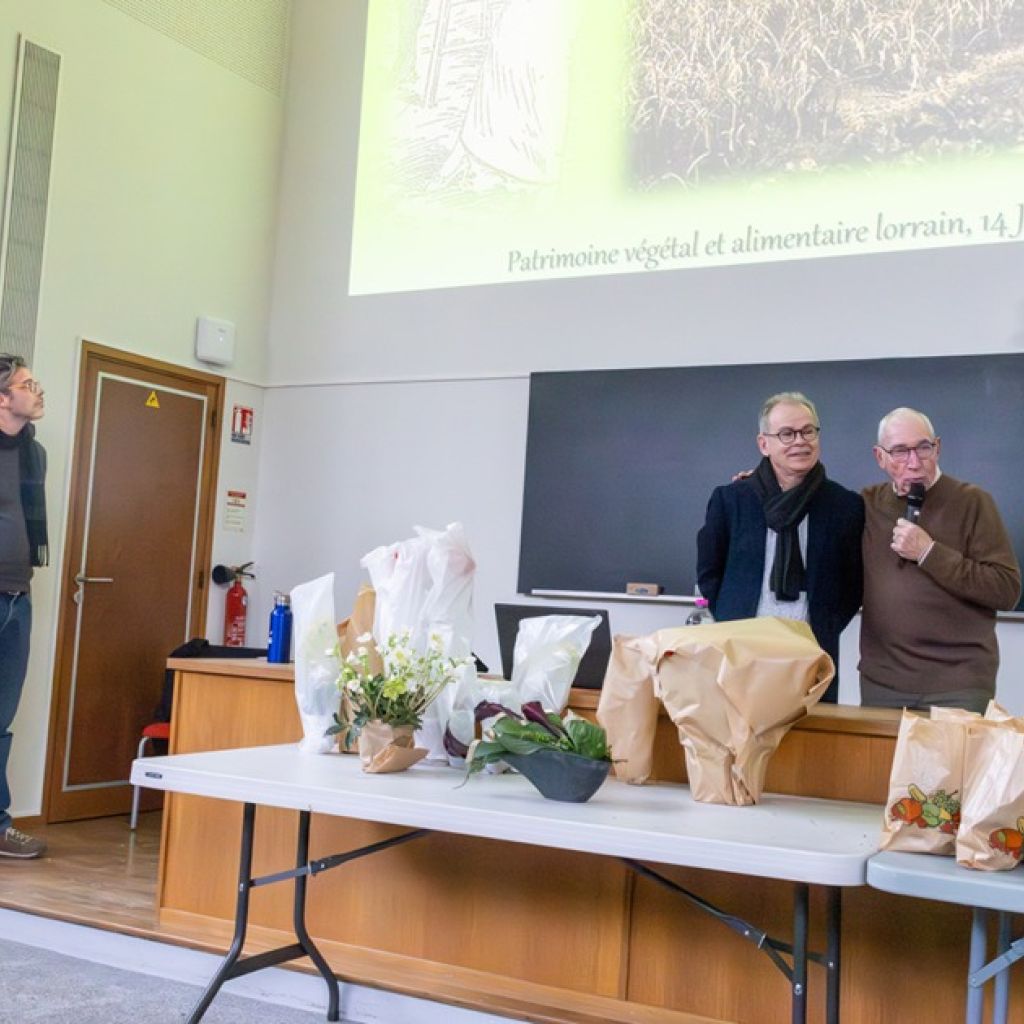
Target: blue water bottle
(279, 643)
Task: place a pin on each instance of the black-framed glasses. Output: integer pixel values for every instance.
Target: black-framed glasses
(33, 387)
(787, 435)
(901, 452)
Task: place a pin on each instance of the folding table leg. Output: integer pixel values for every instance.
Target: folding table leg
(233, 965)
(979, 945)
(1001, 996)
(241, 917)
(834, 926)
(299, 919)
(800, 913)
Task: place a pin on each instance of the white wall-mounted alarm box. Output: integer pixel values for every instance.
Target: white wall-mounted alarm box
(215, 340)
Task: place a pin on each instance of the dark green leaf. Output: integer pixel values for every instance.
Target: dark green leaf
(482, 753)
(507, 729)
(587, 739)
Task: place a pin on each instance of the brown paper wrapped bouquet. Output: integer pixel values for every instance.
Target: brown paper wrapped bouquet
(733, 689)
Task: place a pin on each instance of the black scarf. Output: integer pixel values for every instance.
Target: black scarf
(32, 473)
(783, 511)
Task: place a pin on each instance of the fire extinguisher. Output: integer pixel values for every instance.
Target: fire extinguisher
(236, 601)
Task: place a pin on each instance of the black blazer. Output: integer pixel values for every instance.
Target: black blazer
(730, 559)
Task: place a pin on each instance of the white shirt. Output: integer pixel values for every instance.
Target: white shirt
(769, 604)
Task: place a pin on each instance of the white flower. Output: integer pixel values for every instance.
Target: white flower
(366, 638)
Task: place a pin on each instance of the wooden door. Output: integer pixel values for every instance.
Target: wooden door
(135, 569)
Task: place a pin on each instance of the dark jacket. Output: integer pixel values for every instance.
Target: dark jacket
(730, 559)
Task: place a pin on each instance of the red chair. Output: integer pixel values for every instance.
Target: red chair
(161, 730)
(153, 731)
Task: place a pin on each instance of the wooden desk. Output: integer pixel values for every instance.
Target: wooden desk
(809, 842)
(607, 952)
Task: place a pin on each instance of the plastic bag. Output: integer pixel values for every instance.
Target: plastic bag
(316, 663)
(546, 656)
(425, 584)
(473, 696)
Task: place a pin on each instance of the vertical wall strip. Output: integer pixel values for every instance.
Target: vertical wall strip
(27, 195)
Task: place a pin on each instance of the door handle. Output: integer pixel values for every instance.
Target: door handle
(81, 579)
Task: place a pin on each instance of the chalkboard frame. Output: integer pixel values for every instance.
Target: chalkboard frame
(620, 463)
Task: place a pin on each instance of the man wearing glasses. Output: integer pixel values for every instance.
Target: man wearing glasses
(23, 544)
(785, 540)
(931, 590)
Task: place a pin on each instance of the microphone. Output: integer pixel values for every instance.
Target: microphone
(915, 500)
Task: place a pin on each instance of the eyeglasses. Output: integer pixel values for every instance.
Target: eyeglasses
(33, 387)
(900, 452)
(787, 435)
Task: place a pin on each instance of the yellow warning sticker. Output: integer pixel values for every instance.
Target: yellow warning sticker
(152, 402)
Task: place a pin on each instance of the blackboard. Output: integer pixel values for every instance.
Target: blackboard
(620, 463)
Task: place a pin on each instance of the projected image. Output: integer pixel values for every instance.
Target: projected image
(483, 94)
(722, 88)
(516, 140)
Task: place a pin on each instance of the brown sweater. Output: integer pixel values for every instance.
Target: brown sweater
(930, 628)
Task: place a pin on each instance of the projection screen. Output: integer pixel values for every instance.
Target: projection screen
(513, 140)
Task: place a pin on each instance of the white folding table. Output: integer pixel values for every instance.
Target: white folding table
(802, 840)
(941, 878)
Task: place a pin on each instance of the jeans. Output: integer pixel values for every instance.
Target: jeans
(15, 626)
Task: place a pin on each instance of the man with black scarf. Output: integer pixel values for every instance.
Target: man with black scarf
(785, 540)
(23, 544)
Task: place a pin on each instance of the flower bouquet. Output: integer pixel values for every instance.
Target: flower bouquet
(565, 757)
(385, 690)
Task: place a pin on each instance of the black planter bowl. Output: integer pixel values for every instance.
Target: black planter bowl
(559, 775)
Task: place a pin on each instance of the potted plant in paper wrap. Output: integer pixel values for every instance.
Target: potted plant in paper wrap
(565, 757)
(385, 690)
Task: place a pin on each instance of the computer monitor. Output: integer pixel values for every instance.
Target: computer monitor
(594, 662)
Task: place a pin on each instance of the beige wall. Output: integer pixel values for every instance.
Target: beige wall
(162, 202)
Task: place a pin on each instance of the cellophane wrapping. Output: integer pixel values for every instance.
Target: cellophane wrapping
(316, 661)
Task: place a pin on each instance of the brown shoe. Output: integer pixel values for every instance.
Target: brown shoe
(14, 843)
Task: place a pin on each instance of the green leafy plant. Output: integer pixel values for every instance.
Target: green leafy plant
(391, 682)
(536, 729)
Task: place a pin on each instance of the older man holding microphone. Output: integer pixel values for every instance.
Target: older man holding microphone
(938, 565)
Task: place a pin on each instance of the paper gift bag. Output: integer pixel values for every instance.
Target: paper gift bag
(733, 689)
(991, 834)
(358, 624)
(628, 707)
(922, 812)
